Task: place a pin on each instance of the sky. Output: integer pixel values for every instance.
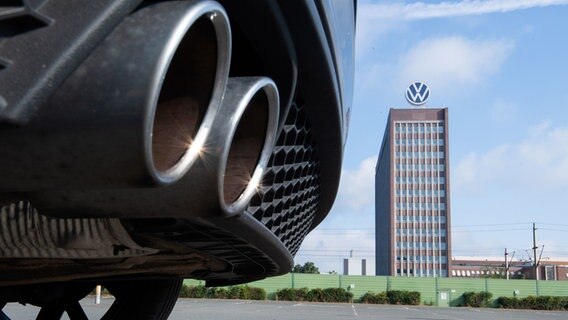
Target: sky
(500, 67)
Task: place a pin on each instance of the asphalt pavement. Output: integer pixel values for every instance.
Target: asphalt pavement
(202, 309)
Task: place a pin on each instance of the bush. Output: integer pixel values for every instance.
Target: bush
(286, 294)
(508, 303)
(403, 297)
(218, 293)
(536, 303)
(234, 292)
(336, 295)
(301, 294)
(192, 291)
(413, 298)
(255, 293)
(476, 299)
(392, 297)
(374, 298)
(315, 295)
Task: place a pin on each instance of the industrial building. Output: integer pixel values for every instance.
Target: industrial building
(412, 218)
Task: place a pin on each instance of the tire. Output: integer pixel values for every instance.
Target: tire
(140, 299)
(152, 299)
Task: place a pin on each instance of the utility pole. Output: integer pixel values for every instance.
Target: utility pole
(506, 264)
(535, 261)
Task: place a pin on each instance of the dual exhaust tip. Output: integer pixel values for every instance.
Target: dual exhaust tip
(150, 125)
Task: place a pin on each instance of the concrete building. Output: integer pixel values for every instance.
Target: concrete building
(412, 200)
(494, 267)
(358, 267)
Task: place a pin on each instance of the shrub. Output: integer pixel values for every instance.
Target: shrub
(315, 295)
(392, 297)
(217, 293)
(395, 296)
(508, 303)
(382, 298)
(528, 303)
(412, 298)
(336, 295)
(374, 298)
(183, 292)
(301, 294)
(476, 299)
(286, 294)
(220, 293)
(403, 297)
(235, 292)
(531, 302)
(255, 293)
(192, 291)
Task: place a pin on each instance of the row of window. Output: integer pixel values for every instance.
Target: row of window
(419, 142)
(435, 232)
(421, 205)
(435, 219)
(422, 180)
(426, 259)
(419, 155)
(437, 128)
(421, 245)
(421, 192)
(421, 167)
(423, 273)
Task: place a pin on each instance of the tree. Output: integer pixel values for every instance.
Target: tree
(308, 267)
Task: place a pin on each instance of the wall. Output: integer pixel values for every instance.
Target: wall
(428, 287)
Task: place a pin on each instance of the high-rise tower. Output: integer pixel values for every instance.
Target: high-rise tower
(412, 199)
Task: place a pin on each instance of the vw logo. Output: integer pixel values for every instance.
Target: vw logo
(417, 93)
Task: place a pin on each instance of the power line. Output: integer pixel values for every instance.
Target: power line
(492, 230)
(559, 230)
(553, 224)
(492, 224)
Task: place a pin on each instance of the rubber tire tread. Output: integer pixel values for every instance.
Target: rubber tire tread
(143, 299)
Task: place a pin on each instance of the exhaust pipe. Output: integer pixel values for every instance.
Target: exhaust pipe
(222, 181)
(135, 113)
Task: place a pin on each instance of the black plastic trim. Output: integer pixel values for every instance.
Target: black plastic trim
(38, 61)
(318, 90)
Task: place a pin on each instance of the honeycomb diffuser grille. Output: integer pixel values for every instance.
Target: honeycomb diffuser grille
(288, 198)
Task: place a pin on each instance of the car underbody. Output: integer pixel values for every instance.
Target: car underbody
(150, 140)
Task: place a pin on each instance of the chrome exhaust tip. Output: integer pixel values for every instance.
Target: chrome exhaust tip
(250, 140)
(191, 82)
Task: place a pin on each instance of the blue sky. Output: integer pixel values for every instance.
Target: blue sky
(501, 67)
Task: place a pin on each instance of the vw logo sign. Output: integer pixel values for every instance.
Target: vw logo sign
(417, 93)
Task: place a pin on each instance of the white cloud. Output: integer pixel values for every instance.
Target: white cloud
(421, 10)
(538, 163)
(376, 19)
(356, 189)
(449, 64)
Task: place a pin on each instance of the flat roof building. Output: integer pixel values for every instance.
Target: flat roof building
(412, 200)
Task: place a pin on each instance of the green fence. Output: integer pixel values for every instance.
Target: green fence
(428, 287)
